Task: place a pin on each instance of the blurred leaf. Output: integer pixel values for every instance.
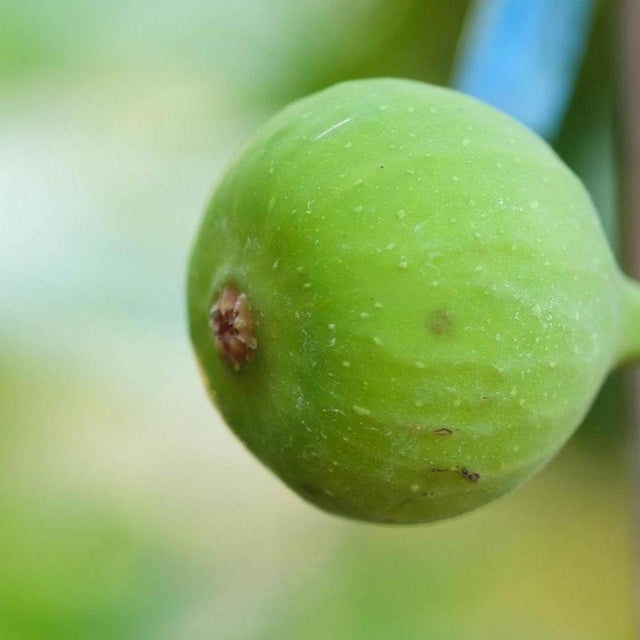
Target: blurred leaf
(522, 57)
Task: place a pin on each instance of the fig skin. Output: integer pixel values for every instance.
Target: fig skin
(434, 303)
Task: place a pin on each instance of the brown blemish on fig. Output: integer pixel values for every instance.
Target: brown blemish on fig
(311, 490)
(443, 431)
(440, 321)
(232, 327)
(472, 476)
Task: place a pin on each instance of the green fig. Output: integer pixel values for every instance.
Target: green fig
(402, 301)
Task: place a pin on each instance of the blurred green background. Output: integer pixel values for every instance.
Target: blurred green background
(127, 510)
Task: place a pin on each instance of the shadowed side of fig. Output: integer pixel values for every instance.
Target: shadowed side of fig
(403, 301)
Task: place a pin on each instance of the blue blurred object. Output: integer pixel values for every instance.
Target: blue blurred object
(522, 56)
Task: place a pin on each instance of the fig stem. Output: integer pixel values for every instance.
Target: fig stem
(631, 319)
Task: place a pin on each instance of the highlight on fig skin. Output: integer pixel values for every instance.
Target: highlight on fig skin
(232, 327)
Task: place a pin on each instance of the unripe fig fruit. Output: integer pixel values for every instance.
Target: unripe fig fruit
(402, 301)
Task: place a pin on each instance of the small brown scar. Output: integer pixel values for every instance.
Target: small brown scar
(232, 327)
(440, 321)
(443, 431)
(311, 490)
(472, 476)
